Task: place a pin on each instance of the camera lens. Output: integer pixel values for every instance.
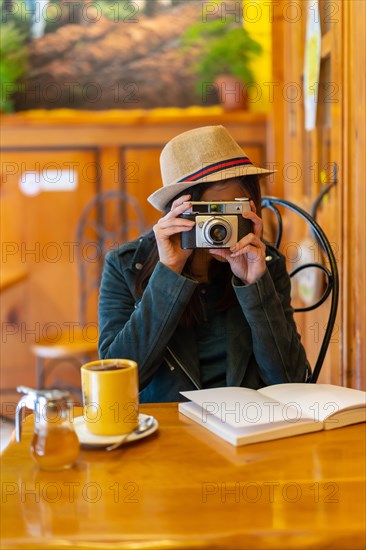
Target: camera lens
(218, 233)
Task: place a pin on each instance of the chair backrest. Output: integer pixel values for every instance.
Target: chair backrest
(330, 270)
(108, 220)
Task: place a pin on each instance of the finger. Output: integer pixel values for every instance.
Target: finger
(256, 221)
(249, 249)
(168, 232)
(181, 200)
(172, 215)
(177, 211)
(254, 244)
(220, 252)
(175, 221)
(253, 206)
(177, 225)
(250, 238)
(172, 218)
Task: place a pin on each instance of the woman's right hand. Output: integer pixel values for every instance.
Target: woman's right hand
(167, 233)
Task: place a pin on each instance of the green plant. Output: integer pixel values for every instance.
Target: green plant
(221, 47)
(12, 63)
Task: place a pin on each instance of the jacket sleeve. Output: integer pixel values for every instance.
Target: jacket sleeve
(266, 305)
(140, 330)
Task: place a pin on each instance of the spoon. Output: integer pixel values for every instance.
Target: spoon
(143, 426)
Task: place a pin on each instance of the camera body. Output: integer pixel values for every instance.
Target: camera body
(219, 224)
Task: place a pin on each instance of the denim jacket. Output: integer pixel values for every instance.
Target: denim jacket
(263, 346)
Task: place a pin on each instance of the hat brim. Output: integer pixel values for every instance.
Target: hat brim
(160, 198)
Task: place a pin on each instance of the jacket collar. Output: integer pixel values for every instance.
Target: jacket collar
(140, 249)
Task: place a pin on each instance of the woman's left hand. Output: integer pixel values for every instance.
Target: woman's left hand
(247, 258)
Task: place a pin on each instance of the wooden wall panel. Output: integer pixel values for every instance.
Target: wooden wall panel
(142, 177)
(44, 240)
(339, 137)
(354, 193)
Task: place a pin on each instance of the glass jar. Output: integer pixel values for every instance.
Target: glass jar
(55, 445)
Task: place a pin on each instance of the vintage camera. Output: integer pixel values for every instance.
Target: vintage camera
(218, 224)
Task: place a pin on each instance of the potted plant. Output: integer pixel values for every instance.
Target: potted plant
(12, 63)
(223, 50)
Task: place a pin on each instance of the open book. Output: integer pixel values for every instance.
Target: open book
(242, 415)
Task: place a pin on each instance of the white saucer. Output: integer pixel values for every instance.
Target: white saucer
(88, 439)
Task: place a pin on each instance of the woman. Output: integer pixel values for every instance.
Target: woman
(204, 317)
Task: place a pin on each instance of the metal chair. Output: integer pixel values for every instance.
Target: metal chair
(108, 220)
(331, 287)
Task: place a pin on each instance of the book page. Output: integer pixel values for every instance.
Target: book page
(242, 408)
(317, 401)
(248, 434)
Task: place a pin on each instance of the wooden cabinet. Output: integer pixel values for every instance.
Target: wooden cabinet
(52, 164)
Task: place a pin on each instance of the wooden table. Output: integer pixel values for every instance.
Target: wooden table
(183, 487)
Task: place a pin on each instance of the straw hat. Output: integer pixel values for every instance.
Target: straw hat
(198, 156)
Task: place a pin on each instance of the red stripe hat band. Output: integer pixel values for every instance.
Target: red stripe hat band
(217, 167)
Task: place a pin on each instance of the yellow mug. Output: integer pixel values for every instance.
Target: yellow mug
(110, 396)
